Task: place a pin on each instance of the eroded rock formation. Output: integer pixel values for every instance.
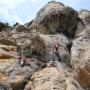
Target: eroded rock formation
(56, 17)
(55, 23)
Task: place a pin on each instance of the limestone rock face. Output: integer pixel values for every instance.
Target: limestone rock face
(80, 57)
(44, 46)
(6, 38)
(12, 76)
(21, 35)
(54, 24)
(52, 79)
(7, 52)
(56, 17)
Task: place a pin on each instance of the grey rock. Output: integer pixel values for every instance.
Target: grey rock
(56, 17)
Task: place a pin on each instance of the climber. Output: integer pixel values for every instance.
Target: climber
(22, 60)
(56, 52)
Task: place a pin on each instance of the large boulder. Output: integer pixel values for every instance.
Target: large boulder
(56, 17)
(80, 57)
(52, 79)
(44, 46)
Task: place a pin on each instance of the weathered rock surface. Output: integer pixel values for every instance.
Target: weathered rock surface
(56, 17)
(52, 79)
(55, 23)
(14, 76)
(43, 45)
(80, 50)
(22, 37)
(6, 38)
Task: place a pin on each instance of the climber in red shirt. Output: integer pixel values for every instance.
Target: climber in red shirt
(22, 60)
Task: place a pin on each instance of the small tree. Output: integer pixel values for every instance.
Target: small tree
(4, 26)
(16, 24)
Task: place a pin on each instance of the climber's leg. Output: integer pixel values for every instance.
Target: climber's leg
(58, 56)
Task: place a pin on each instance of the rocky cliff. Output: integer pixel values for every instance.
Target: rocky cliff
(55, 23)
